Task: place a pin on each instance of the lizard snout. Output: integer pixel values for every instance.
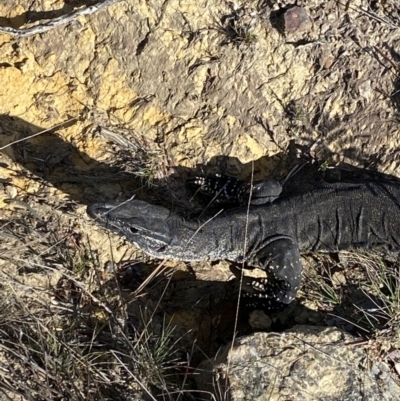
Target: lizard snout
(98, 209)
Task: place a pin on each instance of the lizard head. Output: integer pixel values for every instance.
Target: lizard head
(154, 229)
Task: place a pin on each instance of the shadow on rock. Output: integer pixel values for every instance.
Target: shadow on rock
(52, 161)
(34, 16)
(203, 312)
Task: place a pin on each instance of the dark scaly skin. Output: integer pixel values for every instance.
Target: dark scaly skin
(229, 190)
(332, 217)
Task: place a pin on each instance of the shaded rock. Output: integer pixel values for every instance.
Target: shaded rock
(303, 363)
(258, 320)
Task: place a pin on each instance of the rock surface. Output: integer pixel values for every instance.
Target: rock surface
(300, 364)
(163, 72)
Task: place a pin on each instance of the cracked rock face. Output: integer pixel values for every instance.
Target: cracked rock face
(303, 363)
(209, 72)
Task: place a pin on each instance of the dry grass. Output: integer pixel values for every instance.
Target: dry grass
(381, 287)
(65, 331)
(239, 27)
(361, 292)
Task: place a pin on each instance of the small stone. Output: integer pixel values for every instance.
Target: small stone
(328, 61)
(11, 191)
(296, 20)
(397, 368)
(338, 279)
(258, 320)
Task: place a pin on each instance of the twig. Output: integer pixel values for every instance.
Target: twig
(64, 19)
(116, 207)
(241, 272)
(38, 133)
(376, 17)
(392, 63)
(202, 225)
(158, 271)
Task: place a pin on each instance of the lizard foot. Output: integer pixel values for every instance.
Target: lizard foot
(269, 294)
(225, 189)
(258, 301)
(222, 188)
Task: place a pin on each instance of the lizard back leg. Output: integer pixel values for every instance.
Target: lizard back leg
(281, 258)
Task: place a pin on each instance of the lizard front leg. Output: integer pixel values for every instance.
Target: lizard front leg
(281, 258)
(226, 189)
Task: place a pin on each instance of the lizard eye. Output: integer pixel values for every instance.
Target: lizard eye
(240, 259)
(283, 285)
(133, 230)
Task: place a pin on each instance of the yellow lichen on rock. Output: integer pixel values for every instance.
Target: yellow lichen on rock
(115, 93)
(13, 94)
(44, 102)
(154, 116)
(247, 149)
(16, 15)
